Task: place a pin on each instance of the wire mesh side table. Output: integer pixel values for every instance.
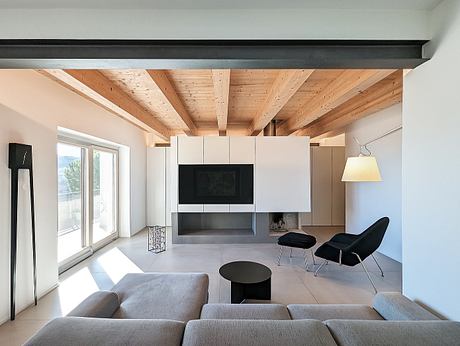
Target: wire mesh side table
(156, 239)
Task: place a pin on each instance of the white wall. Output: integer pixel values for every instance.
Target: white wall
(257, 23)
(31, 109)
(431, 166)
(367, 202)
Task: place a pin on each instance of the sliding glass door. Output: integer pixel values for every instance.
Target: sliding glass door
(87, 200)
(104, 194)
(71, 206)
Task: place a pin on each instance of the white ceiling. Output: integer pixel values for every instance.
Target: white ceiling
(224, 4)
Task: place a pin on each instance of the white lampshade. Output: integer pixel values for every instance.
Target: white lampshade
(361, 168)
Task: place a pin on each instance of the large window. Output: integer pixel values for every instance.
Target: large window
(87, 199)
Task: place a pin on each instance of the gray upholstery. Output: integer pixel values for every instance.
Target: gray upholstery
(99, 304)
(245, 312)
(404, 333)
(325, 312)
(254, 333)
(394, 306)
(82, 331)
(173, 296)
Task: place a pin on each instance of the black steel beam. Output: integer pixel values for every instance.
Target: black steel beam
(171, 54)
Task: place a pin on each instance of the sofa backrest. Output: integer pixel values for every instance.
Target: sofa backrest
(395, 333)
(256, 333)
(394, 306)
(102, 304)
(108, 332)
(245, 312)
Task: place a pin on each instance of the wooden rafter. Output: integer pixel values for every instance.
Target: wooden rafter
(283, 88)
(221, 83)
(94, 86)
(378, 97)
(349, 84)
(160, 78)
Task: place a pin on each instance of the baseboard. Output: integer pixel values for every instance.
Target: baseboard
(5, 319)
(132, 234)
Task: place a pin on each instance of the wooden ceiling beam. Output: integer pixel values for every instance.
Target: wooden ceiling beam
(349, 84)
(161, 80)
(283, 88)
(221, 83)
(384, 94)
(94, 86)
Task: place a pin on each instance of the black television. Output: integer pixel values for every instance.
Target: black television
(216, 184)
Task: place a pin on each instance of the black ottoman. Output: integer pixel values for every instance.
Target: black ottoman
(297, 240)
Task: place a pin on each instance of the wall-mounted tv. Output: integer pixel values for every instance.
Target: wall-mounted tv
(216, 184)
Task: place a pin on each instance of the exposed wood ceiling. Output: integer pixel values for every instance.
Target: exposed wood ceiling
(236, 102)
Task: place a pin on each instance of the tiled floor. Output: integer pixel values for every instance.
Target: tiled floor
(290, 282)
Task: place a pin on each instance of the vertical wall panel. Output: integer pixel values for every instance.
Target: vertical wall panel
(338, 187)
(321, 186)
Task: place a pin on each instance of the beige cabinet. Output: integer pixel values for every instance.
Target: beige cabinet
(338, 187)
(327, 189)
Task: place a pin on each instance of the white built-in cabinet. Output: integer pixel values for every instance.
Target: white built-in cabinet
(242, 150)
(158, 187)
(327, 189)
(282, 174)
(190, 150)
(216, 150)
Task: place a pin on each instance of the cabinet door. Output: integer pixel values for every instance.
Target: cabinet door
(173, 174)
(338, 187)
(216, 150)
(282, 174)
(242, 208)
(156, 186)
(168, 185)
(216, 208)
(190, 208)
(242, 150)
(321, 186)
(190, 150)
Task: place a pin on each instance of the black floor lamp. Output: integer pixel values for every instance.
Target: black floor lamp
(20, 157)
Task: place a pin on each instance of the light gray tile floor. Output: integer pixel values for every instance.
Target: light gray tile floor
(290, 282)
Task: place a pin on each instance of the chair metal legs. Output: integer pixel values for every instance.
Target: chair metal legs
(290, 257)
(378, 265)
(280, 254)
(320, 267)
(365, 269)
(313, 257)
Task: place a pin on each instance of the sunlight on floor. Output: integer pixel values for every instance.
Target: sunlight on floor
(116, 264)
(76, 288)
(81, 284)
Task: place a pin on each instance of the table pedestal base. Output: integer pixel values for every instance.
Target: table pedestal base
(259, 291)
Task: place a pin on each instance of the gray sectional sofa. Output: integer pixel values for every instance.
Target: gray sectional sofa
(170, 309)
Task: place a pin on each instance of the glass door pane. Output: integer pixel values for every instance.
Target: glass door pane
(70, 201)
(104, 194)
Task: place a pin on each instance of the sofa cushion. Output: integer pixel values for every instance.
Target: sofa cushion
(396, 307)
(82, 331)
(177, 296)
(245, 312)
(254, 333)
(99, 304)
(404, 333)
(325, 312)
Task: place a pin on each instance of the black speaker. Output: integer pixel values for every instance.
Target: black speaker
(20, 156)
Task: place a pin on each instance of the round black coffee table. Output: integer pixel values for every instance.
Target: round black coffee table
(250, 280)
